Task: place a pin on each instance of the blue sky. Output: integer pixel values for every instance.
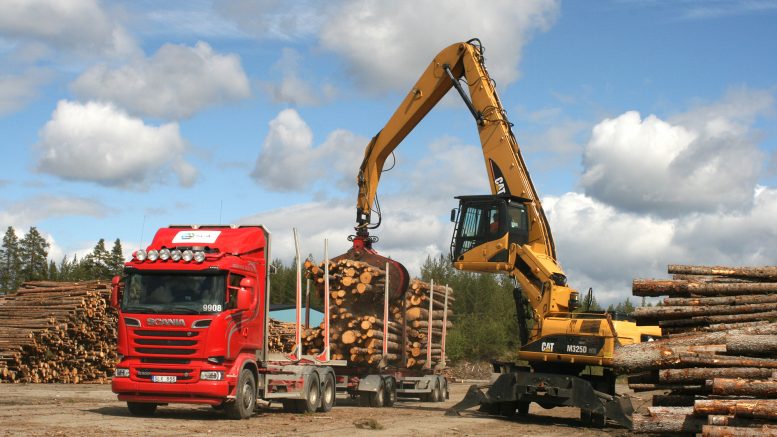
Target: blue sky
(648, 126)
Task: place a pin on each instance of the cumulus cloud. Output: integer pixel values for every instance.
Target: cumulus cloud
(16, 91)
(703, 160)
(292, 88)
(79, 26)
(30, 211)
(288, 160)
(386, 45)
(176, 82)
(276, 19)
(97, 142)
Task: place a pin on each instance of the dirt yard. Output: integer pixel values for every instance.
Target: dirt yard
(92, 410)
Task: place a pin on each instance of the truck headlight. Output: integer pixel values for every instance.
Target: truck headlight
(121, 372)
(211, 375)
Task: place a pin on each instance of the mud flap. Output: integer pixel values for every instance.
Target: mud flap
(473, 398)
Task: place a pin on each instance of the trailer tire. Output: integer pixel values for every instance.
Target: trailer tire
(436, 394)
(312, 394)
(390, 397)
(141, 409)
(328, 394)
(245, 397)
(373, 399)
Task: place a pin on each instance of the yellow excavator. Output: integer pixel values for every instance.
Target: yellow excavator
(507, 232)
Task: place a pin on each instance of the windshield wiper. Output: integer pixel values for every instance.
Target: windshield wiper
(181, 310)
(141, 310)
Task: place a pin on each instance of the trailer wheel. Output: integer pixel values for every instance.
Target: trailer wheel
(141, 409)
(245, 397)
(390, 397)
(436, 394)
(374, 399)
(328, 394)
(312, 395)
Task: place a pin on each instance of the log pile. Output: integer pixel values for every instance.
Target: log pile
(61, 332)
(357, 295)
(718, 361)
(280, 336)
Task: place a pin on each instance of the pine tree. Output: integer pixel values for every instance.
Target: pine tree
(116, 259)
(53, 272)
(10, 262)
(34, 252)
(97, 265)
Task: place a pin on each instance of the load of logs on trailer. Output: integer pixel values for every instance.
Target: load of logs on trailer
(717, 362)
(356, 317)
(58, 332)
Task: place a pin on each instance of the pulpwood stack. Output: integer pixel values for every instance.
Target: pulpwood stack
(356, 317)
(719, 357)
(58, 332)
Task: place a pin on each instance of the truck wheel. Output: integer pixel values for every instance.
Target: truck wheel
(436, 394)
(328, 394)
(310, 402)
(390, 397)
(374, 399)
(141, 409)
(245, 397)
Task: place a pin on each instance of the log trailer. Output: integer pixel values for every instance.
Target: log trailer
(507, 232)
(193, 329)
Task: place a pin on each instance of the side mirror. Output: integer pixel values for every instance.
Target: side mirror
(453, 215)
(245, 295)
(115, 291)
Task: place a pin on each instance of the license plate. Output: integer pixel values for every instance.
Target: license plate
(163, 378)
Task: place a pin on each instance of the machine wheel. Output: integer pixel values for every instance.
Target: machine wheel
(446, 393)
(245, 397)
(141, 409)
(327, 394)
(390, 396)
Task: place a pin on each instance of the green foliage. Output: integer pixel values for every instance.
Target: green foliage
(484, 322)
(34, 252)
(10, 262)
(283, 286)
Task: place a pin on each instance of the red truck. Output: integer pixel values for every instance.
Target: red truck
(192, 328)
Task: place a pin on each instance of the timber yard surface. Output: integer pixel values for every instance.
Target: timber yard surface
(92, 410)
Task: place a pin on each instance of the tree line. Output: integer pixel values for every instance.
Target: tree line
(26, 259)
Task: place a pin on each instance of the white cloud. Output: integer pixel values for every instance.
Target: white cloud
(703, 160)
(289, 162)
(30, 211)
(175, 83)
(17, 91)
(96, 142)
(79, 26)
(387, 45)
(275, 19)
(292, 88)
(604, 248)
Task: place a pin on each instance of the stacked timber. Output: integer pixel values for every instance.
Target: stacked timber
(357, 293)
(717, 362)
(58, 332)
(281, 336)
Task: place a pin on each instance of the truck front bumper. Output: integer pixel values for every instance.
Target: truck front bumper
(201, 392)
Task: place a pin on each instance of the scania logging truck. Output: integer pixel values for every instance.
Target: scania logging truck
(193, 318)
(193, 329)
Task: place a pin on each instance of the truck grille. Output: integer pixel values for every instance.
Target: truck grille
(180, 374)
(170, 343)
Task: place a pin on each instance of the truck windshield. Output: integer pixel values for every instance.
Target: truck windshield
(174, 293)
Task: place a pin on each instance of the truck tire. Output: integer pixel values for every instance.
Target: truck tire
(436, 394)
(328, 394)
(141, 409)
(245, 397)
(390, 397)
(374, 399)
(312, 396)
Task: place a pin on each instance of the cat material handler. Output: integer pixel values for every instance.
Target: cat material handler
(507, 232)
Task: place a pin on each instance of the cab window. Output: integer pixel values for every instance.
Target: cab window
(232, 288)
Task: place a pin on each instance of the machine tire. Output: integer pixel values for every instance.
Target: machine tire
(328, 394)
(390, 396)
(245, 397)
(141, 409)
(436, 394)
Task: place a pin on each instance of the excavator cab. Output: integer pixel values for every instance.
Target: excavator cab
(488, 218)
